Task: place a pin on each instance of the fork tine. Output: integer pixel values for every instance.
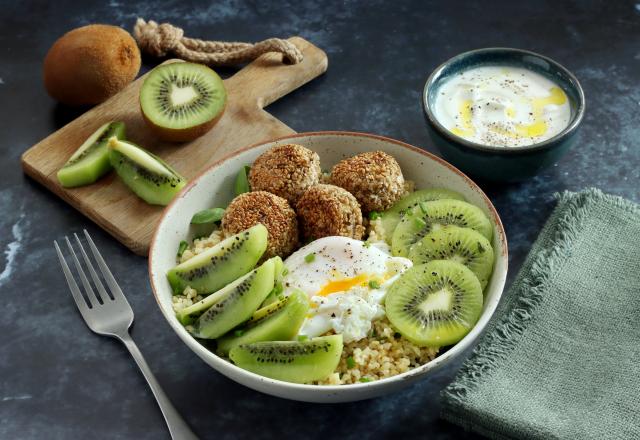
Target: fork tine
(94, 276)
(90, 294)
(106, 273)
(75, 291)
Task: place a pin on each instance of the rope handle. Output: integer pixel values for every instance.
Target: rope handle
(161, 39)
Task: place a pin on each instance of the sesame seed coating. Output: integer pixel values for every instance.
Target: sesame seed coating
(285, 170)
(327, 210)
(374, 178)
(273, 212)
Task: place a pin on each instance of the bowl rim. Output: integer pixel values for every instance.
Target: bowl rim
(548, 143)
(452, 352)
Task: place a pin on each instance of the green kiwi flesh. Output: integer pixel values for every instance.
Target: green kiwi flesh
(392, 216)
(235, 303)
(279, 321)
(221, 264)
(182, 101)
(290, 361)
(435, 304)
(429, 216)
(91, 160)
(148, 176)
(462, 245)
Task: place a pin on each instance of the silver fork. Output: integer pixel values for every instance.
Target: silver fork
(112, 316)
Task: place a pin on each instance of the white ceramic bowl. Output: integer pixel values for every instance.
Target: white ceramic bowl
(214, 187)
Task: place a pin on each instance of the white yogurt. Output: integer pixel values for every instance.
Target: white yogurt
(502, 106)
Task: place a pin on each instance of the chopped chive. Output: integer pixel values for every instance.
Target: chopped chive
(364, 379)
(238, 332)
(373, 284)
(374, 215)
(285, 271)
(206, 216)
(366, 244)
(242, 181)
(310, 257)
(420, 223)
(182, 247)
(350, 362)
(302, 338)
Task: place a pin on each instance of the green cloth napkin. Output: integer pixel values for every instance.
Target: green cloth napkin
(561, 358)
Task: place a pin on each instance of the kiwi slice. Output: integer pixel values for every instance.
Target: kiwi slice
(91, 160)
(182, 101)
(435, 304)
(152, 179)
(222, 263)
(392, 216)
(279, 321)
(462, 245)
(429, 216)
(234, 304)
(290, 361)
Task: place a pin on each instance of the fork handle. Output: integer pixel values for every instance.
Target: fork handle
(178, 428)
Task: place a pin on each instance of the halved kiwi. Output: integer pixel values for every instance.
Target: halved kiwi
(435, 304)
(291, 361)
(91, 160)
(428, 216)
(462, 245)
(148, 176)
(182, 101)
(392, 216)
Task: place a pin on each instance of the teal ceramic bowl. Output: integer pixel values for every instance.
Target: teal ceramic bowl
(503, 163)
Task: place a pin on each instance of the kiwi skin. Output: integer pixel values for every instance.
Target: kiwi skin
(183, 134)
(90, 64)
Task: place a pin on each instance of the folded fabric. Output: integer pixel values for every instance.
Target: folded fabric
(561, 358)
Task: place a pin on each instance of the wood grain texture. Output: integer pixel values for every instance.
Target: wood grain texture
(112, 205)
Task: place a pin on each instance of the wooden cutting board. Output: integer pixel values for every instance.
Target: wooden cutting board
(112, 205)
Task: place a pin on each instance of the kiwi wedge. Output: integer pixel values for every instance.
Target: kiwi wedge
(222, 263)
(182, 101)
(462, 245)
(148, 176)
(290, 361)
(429, 216)
(91, 160)
(279, 321)
(235, 303)
(435, 304)
(392, 216)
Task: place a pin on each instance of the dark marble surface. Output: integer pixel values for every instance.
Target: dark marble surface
(60, 381)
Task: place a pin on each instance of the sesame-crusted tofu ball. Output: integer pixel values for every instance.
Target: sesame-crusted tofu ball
(285, 170)
(374, 178)
(326, 210)
(273, 212)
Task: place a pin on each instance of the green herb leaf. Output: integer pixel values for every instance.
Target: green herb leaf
(373, 284)
(374, 215)
(364, 379)
(182, 247)
(309, 258)
(242, 181)
(238, 332)
(350, 362)
(213, 215)
(302, 338)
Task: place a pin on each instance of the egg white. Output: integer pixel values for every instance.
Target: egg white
(346, 281)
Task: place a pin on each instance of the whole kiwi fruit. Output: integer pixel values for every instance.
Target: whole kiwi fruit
(89, 64)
